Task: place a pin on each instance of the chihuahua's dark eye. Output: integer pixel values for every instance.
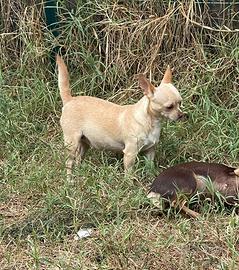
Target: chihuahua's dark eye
(170, 107)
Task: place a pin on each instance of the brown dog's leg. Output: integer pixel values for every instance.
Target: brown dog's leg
(236, 172)
(182, 206)
(190, 212)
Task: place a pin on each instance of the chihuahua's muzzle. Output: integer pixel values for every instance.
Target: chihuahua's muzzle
(181, 116)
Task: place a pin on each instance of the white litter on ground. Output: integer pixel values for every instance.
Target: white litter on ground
(83, 233)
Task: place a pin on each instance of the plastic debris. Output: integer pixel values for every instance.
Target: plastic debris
(83, 233)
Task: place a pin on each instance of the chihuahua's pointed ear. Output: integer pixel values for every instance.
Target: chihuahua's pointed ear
(147, 86)
(167, 78)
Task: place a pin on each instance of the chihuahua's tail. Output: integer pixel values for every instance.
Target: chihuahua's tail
(63, 80)
(236, 172)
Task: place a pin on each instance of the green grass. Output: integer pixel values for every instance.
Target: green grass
(40, 212)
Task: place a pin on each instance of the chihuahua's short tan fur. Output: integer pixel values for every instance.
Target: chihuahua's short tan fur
(90, 121)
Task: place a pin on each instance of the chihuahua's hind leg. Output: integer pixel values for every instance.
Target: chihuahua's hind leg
(81, 150)
(72, 143)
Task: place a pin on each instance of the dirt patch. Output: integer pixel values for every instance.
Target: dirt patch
(14, 210)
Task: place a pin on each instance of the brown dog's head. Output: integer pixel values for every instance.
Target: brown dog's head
(165, 99)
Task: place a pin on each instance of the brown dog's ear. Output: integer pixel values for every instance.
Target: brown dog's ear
(167, 78)
(147, 86)
(236, 172)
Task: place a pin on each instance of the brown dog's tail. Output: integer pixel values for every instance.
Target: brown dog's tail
(63, 80)
(236, 172)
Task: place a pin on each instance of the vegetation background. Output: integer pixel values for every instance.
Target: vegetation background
(107, 43)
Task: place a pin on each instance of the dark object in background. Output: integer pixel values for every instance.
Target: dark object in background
(52, 25)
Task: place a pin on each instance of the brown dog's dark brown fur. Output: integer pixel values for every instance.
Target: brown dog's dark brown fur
(189, 178)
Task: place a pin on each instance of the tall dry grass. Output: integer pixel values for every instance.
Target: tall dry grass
(115, 40)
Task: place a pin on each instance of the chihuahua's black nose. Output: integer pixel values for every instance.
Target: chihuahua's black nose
(183, 117)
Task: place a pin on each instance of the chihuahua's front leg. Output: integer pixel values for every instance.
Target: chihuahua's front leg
(150, 153)
(130, 153)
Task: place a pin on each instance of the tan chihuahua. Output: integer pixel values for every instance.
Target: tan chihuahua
(90, 121)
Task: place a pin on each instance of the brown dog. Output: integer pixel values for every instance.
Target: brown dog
(90, 121)
(190, 178)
